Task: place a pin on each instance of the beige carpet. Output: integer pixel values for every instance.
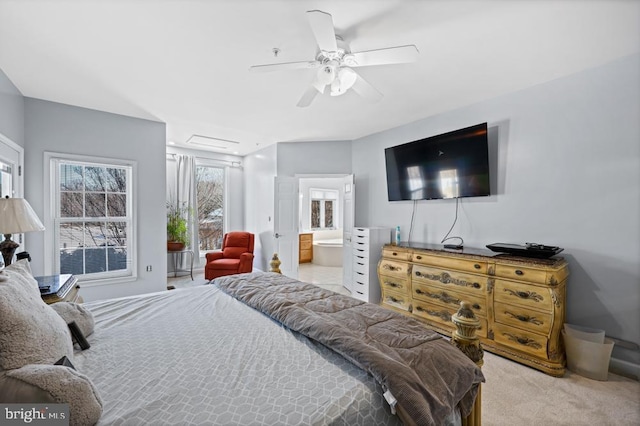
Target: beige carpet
(517, 395)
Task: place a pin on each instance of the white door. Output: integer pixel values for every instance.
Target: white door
(348, 217)
(285, 226)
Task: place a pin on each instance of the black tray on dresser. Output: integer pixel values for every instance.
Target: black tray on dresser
(538, 251)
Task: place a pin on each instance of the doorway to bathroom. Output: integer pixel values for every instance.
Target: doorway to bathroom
(325, 224)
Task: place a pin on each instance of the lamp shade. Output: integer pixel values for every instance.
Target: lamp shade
(17, 216)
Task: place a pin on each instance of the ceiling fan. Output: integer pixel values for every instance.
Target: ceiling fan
(335, 62)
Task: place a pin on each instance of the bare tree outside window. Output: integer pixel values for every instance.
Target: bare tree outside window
(210, 193)
(93, 218)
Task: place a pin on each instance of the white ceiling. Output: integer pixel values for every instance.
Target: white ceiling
(186, 62)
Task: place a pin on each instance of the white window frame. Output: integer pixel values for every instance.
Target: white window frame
(52, 161)
(335, 201)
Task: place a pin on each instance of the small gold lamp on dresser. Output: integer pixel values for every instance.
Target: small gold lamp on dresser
(16, 217)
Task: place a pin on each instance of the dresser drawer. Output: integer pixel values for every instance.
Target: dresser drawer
(467, 283)
(442, 316)
(449, 298)
(521, 340)
(398, 285)
(360, 290)
(396, 254)
(360, 249)
(361, 266)
(524, 295)
(521, 273)
(397, 300)
(448, 263)
(393, 269)
(526, 319)
(360, 237)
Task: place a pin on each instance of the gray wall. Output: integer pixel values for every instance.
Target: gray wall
(332, 157)
(565, 171)
(260, 171)
(11, 111)
(67, 129)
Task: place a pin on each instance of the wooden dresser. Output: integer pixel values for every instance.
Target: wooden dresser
(519, 301)
(305, 247)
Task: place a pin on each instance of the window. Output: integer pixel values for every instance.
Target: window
(93, 218)
(323, 208)
(210, 194)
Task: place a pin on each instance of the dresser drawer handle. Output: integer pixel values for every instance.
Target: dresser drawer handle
(523, 340)
(476, 285)
(394, 253)
(519, 272)
(418, 291)
(524, 318)
(390, 267)
(477, 266)
(527, 295)
(475, 306)
(418, 257)
(394, 285)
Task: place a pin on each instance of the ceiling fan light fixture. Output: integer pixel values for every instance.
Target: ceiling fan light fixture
(326, 74)
(345, 79)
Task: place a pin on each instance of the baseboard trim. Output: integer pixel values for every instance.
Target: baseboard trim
(624, 368)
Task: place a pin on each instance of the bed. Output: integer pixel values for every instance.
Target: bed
(261, 348)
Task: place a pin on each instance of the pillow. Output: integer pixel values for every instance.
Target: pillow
(64, 385)
(15, 391)
(70, 311)
(31, 332)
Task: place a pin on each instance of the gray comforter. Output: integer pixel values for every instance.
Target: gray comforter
(424, 372)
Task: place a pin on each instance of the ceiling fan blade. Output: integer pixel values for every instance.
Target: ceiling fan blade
(367, 91)
(391, 55)
(308, 97)
(285, 66)
(322, 27)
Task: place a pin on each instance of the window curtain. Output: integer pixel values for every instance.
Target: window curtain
(186, 193)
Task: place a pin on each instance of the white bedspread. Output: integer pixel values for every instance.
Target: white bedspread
(198, 356)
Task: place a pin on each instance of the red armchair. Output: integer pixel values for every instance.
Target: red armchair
(236, 256)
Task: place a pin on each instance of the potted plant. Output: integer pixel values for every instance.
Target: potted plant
(177, 229)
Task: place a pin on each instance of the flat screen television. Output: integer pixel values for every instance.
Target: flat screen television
(450, 165)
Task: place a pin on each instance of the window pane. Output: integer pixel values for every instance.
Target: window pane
(71, 235)
(210, 193)
(94, 234)
(71, 261)
(71, 177)
(95, 260)
(315, 214)
(95, 178)
(117, 258)
(95, 205)
(116, 234)
(71, 204)
(116, 205)
(328, 214)
(116, 180)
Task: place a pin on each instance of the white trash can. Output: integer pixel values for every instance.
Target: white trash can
(588, 351)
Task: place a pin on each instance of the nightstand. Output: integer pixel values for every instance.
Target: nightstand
(59, 288)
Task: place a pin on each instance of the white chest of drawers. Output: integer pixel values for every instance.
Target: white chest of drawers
(367, 246)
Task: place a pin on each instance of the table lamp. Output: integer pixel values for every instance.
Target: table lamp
(16, 217)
